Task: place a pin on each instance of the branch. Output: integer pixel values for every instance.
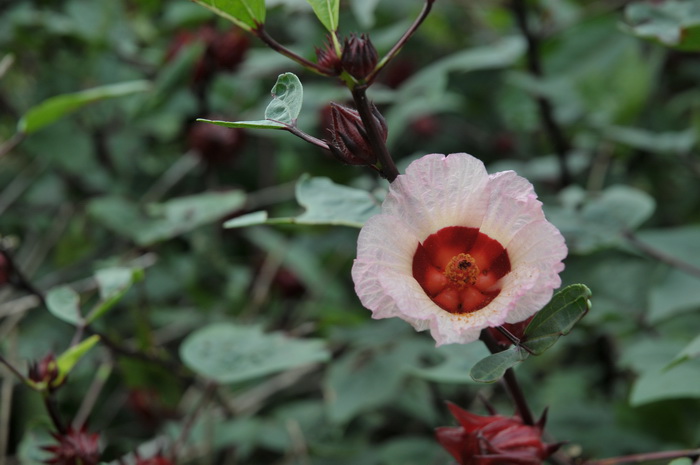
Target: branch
(646, 457)
(511, 382)
(387, 167)
(661, 256)
(262, 34)
(554, 131)
(402, 41)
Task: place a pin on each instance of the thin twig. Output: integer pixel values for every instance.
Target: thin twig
(9, 145)
(427, 6)
(306, 137)
(511, 382)
(647, 457)
(387, 167)
(262, 34)
(661, 256)
(93, 392)
(556, 134)
(208, 394)
(6, 404)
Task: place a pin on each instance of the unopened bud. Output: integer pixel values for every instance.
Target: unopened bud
(359, 56)
(44, 374)
(349, 141)
(328, 59)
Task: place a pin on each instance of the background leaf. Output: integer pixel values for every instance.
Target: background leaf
(229, 353)
(64, 303)
(59, 106)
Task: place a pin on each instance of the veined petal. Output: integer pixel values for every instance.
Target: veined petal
(439, 191)
(456, 250)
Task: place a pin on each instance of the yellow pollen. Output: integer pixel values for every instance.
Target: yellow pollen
(462, 270)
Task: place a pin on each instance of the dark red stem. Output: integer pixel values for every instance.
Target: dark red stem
(402, 41)
(387, 166)
(556, 135)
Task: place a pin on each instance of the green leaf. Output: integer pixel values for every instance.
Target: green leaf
(67, 360)
(260, 124)
(681, 381)
(229, 353)
(246, 14)
(64, 303)
(681, 461)
(327, 12)
(689, 352)
(595, 221)
(492, 368)
(674, 23)
(458, 361)
(557, 318)
(281, 113)
(326, 203)
(59, 106)
(678, 142)
(113, 284)
(287, 97)
(165, 220)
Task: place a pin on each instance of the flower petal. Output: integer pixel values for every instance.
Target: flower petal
(439, 191)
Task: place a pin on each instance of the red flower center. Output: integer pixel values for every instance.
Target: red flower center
(459, 268)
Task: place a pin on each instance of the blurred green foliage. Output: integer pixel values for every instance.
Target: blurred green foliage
(132, 182)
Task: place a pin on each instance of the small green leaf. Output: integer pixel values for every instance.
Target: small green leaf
(260, 124)
(246, 14)
(287, 97)
(281, 113)
(326, 203)
(229, 353)
(327, 12)
(557, 318)
(59, 106)
(681, 461)
(330, 203)
(492, 368)
(67, 360)
(689, 352)
(64, 303)
(113, 284)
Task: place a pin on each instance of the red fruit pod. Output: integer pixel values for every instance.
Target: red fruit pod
(494, 440)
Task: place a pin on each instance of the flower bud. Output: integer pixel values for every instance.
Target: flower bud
(349, 141)
(359, 56)
(75, 446)
(494, 440)
(214, 144)
(328, 59)
(45, 374)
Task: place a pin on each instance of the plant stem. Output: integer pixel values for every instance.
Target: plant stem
(402, 41)
(21, 280)
(52, 409)
(511, 382)
(306, 137)
(387, 168)
(646, 457)
(7, 146)
(556, 135)
(262, 34)
(661, 256)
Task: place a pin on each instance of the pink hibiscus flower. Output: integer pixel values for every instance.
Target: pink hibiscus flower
(456, 250)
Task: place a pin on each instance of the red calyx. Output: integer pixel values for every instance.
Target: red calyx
(494, 440)
(75, 447)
